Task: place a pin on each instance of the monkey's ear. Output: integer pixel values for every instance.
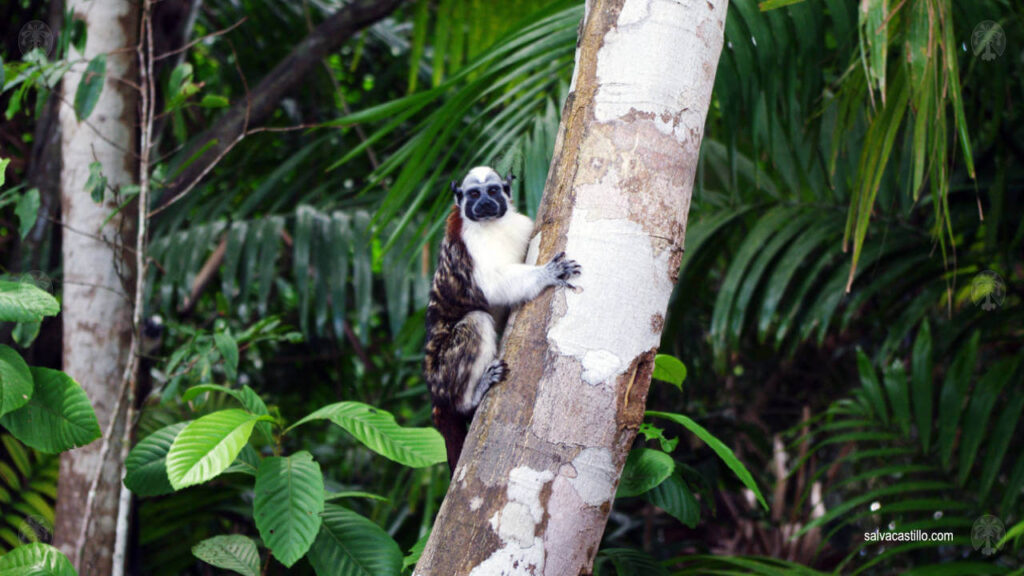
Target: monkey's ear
(507, 184)
(458, 192)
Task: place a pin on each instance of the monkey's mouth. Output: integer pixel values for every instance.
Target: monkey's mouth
(488, 211)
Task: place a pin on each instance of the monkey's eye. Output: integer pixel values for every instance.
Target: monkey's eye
(474, 194)
(493, 190)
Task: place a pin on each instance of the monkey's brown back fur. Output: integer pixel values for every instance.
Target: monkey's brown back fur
(452, 345)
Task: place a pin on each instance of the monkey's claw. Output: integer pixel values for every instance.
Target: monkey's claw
(562, 270)
(496, 372)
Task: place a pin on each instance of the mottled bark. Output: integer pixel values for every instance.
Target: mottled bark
(99, 270)
(533, 489)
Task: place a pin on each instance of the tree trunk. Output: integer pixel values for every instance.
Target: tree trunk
(98, 283)
(533, 489)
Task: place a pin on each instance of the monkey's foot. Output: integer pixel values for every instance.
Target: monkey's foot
(495, 373)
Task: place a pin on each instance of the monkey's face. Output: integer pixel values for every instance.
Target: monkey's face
(483, 195)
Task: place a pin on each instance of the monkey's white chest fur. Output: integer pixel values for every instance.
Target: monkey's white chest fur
(497, 249)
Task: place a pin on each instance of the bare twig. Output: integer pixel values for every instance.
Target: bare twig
(131, 376)
(200, 39)
(214, 144)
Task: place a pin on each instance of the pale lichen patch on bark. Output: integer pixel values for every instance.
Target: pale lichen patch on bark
(595, 475)
(610, 251)
(516, 525)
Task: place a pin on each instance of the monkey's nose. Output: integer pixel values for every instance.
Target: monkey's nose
(486, 209)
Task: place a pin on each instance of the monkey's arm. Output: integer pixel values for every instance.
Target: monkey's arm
(514, 284)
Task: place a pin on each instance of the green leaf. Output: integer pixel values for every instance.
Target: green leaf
(1015, 532)
(644, 469)
(58, 417)
(228, 349)
(415, 552)
(899, 395)
(921, 384)
(90, 87)
(652, 432)
(213, 101)
(873, 390)
(378, 431)
(15, 380)
(976, 418)
(951, 399)
(25, 333)
(146, 465)
(35, 559)
(329, 496)
(24, 302)
(96, 184)
(245, 396)
(669, 369)
(234, 552)
(288, 502)
(3, 161)
(27, 210)
(676, 498)
(998, 442)
(723, 451)
(350, 545)
(629, 562)
(207, 446)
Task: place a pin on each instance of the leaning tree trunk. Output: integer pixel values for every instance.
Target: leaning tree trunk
(99, 270)
(533, 489)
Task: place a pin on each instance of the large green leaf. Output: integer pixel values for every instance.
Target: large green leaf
(723, 451)
(24, 302)
(90, 87)
(245, 396)
(377, 429)
(146, 465)
(351, 545)
(289, 500)
(35, 559)
(233, 552)
(15, 380)
(58, 417)
(676, 498)
(644, 469)
(207, 446)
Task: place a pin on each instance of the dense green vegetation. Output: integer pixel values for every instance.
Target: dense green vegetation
(849, 309)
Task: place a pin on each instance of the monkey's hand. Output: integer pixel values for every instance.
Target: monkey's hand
(562, 270)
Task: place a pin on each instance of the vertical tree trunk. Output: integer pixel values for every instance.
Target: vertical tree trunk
(533, 489)
(98, 282)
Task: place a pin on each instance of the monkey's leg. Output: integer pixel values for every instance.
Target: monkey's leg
(473, 349)
(496, 371)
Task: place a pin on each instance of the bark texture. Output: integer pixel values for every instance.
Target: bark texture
(98, 276)
(533, 489)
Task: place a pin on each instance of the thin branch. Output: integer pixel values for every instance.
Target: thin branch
(200, 39)
(210, 147)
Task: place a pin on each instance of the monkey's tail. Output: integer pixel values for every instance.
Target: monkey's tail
(453, 427)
